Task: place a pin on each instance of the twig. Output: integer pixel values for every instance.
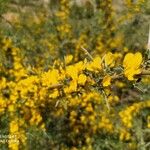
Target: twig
(119, 76)
(145, 72)
(57, 103)
(87, 53)
(106, 100)
(55, 86)
(146, 145)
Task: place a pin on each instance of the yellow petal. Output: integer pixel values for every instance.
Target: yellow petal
(95, 64)
(131, 64)
(68, 59)
(106, 81)
(72, 87)
(72, 72)
(128, 60)
(137, 59)
(82, 79)
(109, 59)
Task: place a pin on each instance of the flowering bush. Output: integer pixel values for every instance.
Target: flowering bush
(69, 79)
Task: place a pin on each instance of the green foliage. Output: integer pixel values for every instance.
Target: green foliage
(41, 36)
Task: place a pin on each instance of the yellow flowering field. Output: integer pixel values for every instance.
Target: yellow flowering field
(74, 75)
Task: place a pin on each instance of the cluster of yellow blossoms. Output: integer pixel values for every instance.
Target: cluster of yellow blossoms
(128, 115)
(134, 6)
(64, 27)
(70, 90)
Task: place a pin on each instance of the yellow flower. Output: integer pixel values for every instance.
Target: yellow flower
(54, 94)
(120, 84)
(11, 108)
(72, 72)
(13, 146)
(3, 83)
(83, 119)
(88, 140)
(68, 59)
(14, 126)
(2, 105)
(36, 118)
(106, 81)
(131, 64)
(49, 78)
(95, 64)
(72, 87)
(113, 99)
(124, 135)
(82, 79)
(109, 59)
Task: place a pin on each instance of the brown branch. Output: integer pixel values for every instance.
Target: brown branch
(87, 53)
(55, 86)
(114, 77)
(145, 72)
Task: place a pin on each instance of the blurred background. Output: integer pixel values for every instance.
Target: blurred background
(61, 27)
